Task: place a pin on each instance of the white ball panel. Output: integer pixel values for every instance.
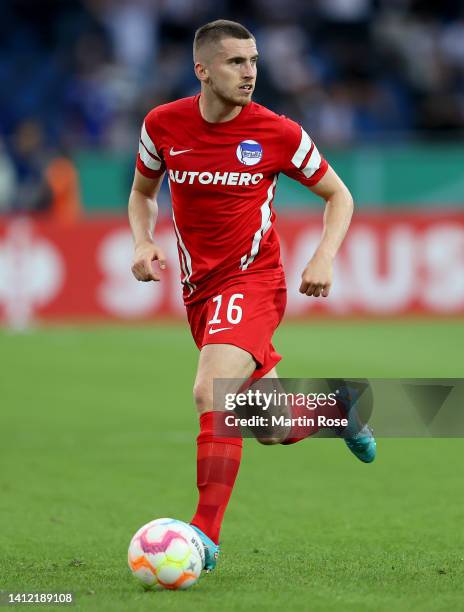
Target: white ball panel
(157, 559)
(178, 550)
(169, 573)
(155, 533)
(193, 538)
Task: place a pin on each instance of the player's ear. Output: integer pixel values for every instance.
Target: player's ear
(201, 71)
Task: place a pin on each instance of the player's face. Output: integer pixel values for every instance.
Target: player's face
(232, 70)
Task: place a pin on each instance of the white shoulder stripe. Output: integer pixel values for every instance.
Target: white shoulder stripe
(148, 142)
(314, 163)
(303, 149)
(150, 162)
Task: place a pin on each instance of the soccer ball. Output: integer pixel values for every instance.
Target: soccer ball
(166, 554)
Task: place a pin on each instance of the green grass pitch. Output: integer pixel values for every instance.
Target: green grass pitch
(98, 431)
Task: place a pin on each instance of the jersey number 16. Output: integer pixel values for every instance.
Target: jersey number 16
(234, 312)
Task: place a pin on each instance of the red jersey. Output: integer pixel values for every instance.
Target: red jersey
(222, 178)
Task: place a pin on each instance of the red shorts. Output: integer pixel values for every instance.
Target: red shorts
(245, 313)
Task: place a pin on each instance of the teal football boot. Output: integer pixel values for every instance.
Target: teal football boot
(362, 444)
(359, 438)
(211, 550)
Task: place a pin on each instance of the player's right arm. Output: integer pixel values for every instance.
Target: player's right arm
(143, 212)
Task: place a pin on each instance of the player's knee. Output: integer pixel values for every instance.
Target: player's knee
(203, 397)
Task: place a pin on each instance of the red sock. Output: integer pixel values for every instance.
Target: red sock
(218, 460)
(300, 432)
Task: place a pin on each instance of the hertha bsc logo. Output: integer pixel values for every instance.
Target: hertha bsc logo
(249, 152)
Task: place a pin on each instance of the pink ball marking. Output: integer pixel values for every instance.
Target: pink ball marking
(162, 545)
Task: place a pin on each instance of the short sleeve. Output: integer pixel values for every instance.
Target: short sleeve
(302, 161)
(149, 161)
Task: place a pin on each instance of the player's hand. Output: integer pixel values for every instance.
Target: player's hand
(142, 267)
(316, 279)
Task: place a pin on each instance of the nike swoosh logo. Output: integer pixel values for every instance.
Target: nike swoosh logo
(215, 331)
(172, 152)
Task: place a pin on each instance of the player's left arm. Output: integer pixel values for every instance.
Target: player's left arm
(316, 278)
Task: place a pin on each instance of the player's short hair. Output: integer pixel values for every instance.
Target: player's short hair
(214, 31)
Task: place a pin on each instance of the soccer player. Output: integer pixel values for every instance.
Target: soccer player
(222, 153)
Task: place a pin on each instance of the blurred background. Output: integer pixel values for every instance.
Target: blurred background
(379, 85)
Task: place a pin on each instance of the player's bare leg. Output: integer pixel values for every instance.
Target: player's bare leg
(358, 436)
(219, 361)
(275, 435)
(218, 457)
